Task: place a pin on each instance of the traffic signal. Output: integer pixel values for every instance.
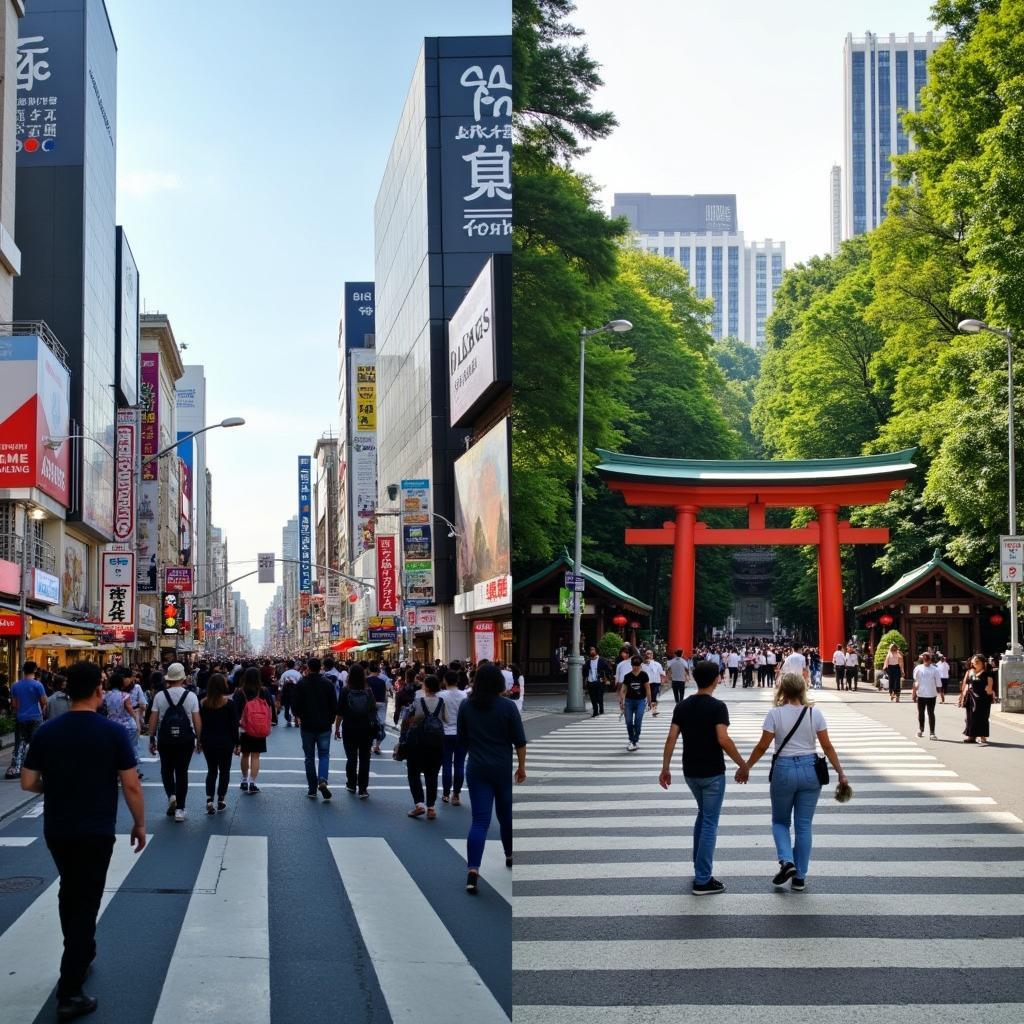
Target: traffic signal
(171, 612)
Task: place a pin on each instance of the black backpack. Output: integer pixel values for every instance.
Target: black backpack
(358, 711)
(175, 724)
(427, 737)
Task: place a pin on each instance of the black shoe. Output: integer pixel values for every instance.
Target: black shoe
(709, 888)
(787, 869)
(798, 885)
(76, 1006)
(253, 788)
(471, 880)
(221, 805)
(508, 861)
(311, 794)
(324, 791)
(351, 789)
(209, 807)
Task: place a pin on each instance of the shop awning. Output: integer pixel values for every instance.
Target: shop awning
(55, 620)
(367, 647)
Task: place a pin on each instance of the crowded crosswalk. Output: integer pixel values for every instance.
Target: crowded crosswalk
(913, 904)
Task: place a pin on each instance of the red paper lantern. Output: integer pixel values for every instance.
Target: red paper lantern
(619, 620)
(886, 619)
(996, 619)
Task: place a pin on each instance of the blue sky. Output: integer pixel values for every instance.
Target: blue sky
(251, 140)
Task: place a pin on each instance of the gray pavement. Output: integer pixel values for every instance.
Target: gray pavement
(279, 910)
(914, 909)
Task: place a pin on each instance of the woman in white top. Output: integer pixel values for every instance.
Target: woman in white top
(453, 767)
(794, 783)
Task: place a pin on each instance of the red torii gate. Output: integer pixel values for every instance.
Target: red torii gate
(689, 485)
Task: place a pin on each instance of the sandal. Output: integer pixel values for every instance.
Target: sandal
(444, 798)
(431, 814)
(456, 802)
(417, 811)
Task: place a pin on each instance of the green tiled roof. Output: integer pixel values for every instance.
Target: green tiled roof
(592, 576)
(915, 576)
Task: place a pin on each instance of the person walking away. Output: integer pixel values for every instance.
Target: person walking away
(677, 667)
(655, 673)
(58, 702)
(943, 667)
(852, 667)
(839, 666)
(771, 659)
(796, 663)
(979, 692)
(490, 728)
(733, 663)
(816, 668)
(927, 687)
(795, 727)
(315, 704)
(28, 701)
(76, 762)
(174, 727)
(289, 680)
(120, 707)
(597, 670)
(254, 706)
(220, 739)
(406, 694)
(749, 664)
(703, 722)
(423, 738)
(453, 763)
(633, 696)
(378, 686)
(518, 694)
(355, 725)
(892, 666)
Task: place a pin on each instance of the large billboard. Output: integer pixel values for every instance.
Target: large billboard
(362, 467)
(74, 580)
(417, 549)
(127, 314)
(482, 523)
(305, 525)
(358, 314)
(35, 389)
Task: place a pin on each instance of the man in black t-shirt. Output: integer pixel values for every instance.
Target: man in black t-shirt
(76, 761)
(703, 723)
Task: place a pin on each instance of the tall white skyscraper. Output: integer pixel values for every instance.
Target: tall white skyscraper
(835, 208)
(882, 76)
(702, 235)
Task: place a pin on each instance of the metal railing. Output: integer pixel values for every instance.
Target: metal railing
(40, 554)
(37, 328)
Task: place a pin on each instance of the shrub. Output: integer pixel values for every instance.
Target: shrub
(894, 636)
(609, 646)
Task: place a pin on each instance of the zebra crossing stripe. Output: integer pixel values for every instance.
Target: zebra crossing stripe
(220, 968)
(534, 803)
(492, 867)
(30, 949)
(411, 952)
(16, 840)
(824, 816)
(526, 792)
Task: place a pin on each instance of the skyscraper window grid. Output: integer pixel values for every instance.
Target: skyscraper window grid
(702, 271)
(734, 291)
(716, 291)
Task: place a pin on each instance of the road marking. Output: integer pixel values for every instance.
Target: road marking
(410, 957)
(492, 868)
(35, 811)
(534, 803)
(220, 968)
(531, 788)
(30, 950)
(17, 840)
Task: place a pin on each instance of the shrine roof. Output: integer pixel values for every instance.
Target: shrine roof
(916, 576)
(718, 472)
(592, 576)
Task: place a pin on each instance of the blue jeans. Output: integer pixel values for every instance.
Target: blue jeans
(322, 742)
(709, 792)
(634, 717)
(453, 766)
(794, 790)
(487, 791)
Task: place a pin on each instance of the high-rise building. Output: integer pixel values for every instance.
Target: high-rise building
(701, 233)
(327, 621)
(882, 77)
(290, 576)
(835, 208)
(10, 255)
(190, 397)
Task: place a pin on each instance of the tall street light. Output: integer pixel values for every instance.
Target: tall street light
(574, 699)
(1011, 666)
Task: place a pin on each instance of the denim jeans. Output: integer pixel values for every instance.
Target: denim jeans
(487, 791)
(322, 742)
(709, 792)
(794, 791)
(453, 766)
(634, 718)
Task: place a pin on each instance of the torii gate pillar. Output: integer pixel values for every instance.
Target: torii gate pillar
(684, 571)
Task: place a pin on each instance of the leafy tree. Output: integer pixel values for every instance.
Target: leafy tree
(609, 646)
(894, 636)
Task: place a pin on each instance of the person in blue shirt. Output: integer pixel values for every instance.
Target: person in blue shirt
(28, 698)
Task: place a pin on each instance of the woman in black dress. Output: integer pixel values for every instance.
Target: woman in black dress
(977, 695)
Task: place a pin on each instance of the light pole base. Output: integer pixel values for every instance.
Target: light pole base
(574, 698)
(1011, 683)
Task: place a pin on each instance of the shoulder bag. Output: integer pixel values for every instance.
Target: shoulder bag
(789, 736)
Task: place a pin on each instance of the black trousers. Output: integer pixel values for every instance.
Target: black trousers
(840, 675)
(428, 765)
(678, 690)
(926, 704)
(218, 771)
(82, 862)
(596, 697)
(174, 762)
(357, 753)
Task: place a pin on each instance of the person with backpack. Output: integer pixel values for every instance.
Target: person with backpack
(254, 720)
(315, 705)
(380, 687)
(220, 739)
(174, 727)
(356, 726)
(422, 741)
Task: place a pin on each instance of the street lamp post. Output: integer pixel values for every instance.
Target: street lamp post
(1011, 665)
(574, 698)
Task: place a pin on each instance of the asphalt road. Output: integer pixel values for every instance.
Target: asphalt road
(279, 910)
(914, 908)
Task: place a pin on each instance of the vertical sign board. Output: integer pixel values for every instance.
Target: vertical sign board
(186, 468)
(118, 585)
(483, 640)
(472, 349)
(418, 571)
(127, 315)
(265, 566)
(359, 316)
(149, 489)
(1011, 559)
(387, 575)
(305, 525)
(125, 448)
(363, 431)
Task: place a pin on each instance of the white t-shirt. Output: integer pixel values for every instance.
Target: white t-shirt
(928, 680)
(795, 663)
(734, 660)
(452, 699)
(780, 720)
(770, 658)
(943, 667)
(160, 704)
(621, 669)
(852, 659)
(509, 679)
(291, 675)
(839, 658)
(654, 670)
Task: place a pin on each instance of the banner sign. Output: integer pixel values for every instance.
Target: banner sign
(10, 624)
(305, 525)
(422, 620)
(381, 629)
(118, 589)
(472, 349)
(483, 640)
(146, 528)
(361, 496)
(178, 578)
(124, 476)
(359, 313)
(1011, 559)
(186, 468)
(149, 398)
(418, 570)
(265, 564)
(387, 575)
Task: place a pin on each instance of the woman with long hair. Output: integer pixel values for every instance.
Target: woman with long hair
(423, 758)
(893, 668)
(490, 728)
(976, 696)
(796, 728)
(219, 739)
(250, 746)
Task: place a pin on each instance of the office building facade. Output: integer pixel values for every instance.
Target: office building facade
(882, 77)
(835, 208)
(701, 234)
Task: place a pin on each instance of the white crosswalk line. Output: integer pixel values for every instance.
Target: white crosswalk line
(220, 968)
(413, 952)
(30, 949)
(492, 868)
(35, 811)
(824, 816)
(534, 803)
(932, 1013)
(17, 840)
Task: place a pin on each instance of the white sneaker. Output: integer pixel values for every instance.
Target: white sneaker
(933, 737)
(631, 746)
(920, 732)
(179, 815)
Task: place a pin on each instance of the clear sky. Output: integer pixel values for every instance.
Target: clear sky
(743, 97)
(252, 136)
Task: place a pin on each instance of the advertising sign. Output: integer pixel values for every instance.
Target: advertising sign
(125, 447)
(418, 570)
(472, 349)
(74, 580)
(178, 578)
(10, 624)
(127, 314)
(186, 463)
(387, 575)
(170, 614)
(305, 525)
(475, 107)
(118, 589)
(484, 634)
(265, 565)
(149, 398)
(146, 527)
(45, 587)
(35, 393)
(358, 322)
(381, 629)
(362, 426)
(1011, 559)
(117, 568)
(416, 541)
(10, 577)
(422, 620)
